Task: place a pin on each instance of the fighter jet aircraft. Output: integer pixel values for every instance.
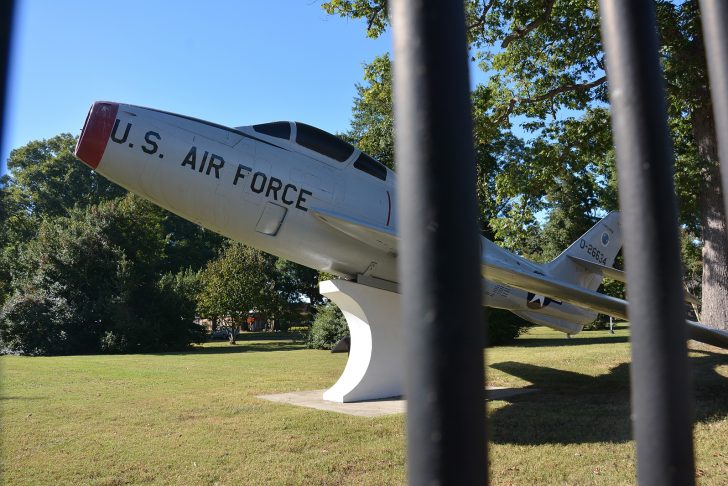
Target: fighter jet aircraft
(303, 194)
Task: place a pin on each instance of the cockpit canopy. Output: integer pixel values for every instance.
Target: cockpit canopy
(279, 129)
(323, 143)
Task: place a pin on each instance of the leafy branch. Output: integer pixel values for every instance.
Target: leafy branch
(480, 20)
(519, 33)
(567, 88)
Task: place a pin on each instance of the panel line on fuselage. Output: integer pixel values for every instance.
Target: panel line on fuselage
(215, 125)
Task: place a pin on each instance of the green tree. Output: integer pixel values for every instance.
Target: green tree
(50, 198)
(372, 131)
(74, 261)
(48, 180)
(187, 245)
(186, 285)
(241, 279)
(297, 283)
(372, 125)
(98, 267)
(16, 228)
(503, 326)
(174, 310)
(547, 79)
(36, 323)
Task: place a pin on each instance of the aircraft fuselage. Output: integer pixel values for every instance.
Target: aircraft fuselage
(261, 185)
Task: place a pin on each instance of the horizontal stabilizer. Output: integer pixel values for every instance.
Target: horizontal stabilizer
(379, 237)
(603, 270)
(617, 275)
(343, 346)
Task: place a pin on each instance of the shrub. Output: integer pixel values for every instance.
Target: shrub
(299, 333)
(598, 324)
(89, 282)
(113, 343)
(503, 326)
(174, 312)
(328, 328)
(35, 324)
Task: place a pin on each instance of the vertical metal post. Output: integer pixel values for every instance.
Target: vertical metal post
(661, 399)
(439, 251)
(6, 24)
(714, 16)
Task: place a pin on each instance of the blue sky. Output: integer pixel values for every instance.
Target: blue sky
(231, 62)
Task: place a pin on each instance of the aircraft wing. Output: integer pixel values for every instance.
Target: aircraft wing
(497, 271)
(379, 237)
(708, 335)
(384, 238)
(618, 275)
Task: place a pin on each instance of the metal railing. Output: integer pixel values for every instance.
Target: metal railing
(440, 268)
(6, 25)
(440, 261)
(438, 256)
(662, 418)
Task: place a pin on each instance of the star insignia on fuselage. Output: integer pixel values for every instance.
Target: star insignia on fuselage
(535, 301)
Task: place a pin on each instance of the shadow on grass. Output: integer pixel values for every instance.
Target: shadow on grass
(573, 408)
(577, 341)
(267, 336)
(241, 348)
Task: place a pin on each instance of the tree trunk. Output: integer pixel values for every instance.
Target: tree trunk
(714, 310)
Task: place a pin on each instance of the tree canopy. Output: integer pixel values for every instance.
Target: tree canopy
(542, 135)
(87, 267)
(240, 280)
(48, 180)
(243, 280)
(89, 282)
(109, 271)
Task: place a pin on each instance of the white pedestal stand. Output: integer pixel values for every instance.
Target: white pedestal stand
(376, 360)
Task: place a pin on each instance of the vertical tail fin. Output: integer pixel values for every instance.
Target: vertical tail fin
(599, 245)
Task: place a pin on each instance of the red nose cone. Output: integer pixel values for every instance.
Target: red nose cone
(95, 134)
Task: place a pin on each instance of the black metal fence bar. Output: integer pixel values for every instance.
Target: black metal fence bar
(661, 401)
(439, 250)
(6, 27)
(714, 16)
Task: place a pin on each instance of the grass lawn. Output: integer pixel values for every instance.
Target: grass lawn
(193, 417)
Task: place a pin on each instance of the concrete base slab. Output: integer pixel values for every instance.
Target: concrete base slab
(315, 399)
(372, 408)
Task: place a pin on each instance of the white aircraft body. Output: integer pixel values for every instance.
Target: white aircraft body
(302, 194)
